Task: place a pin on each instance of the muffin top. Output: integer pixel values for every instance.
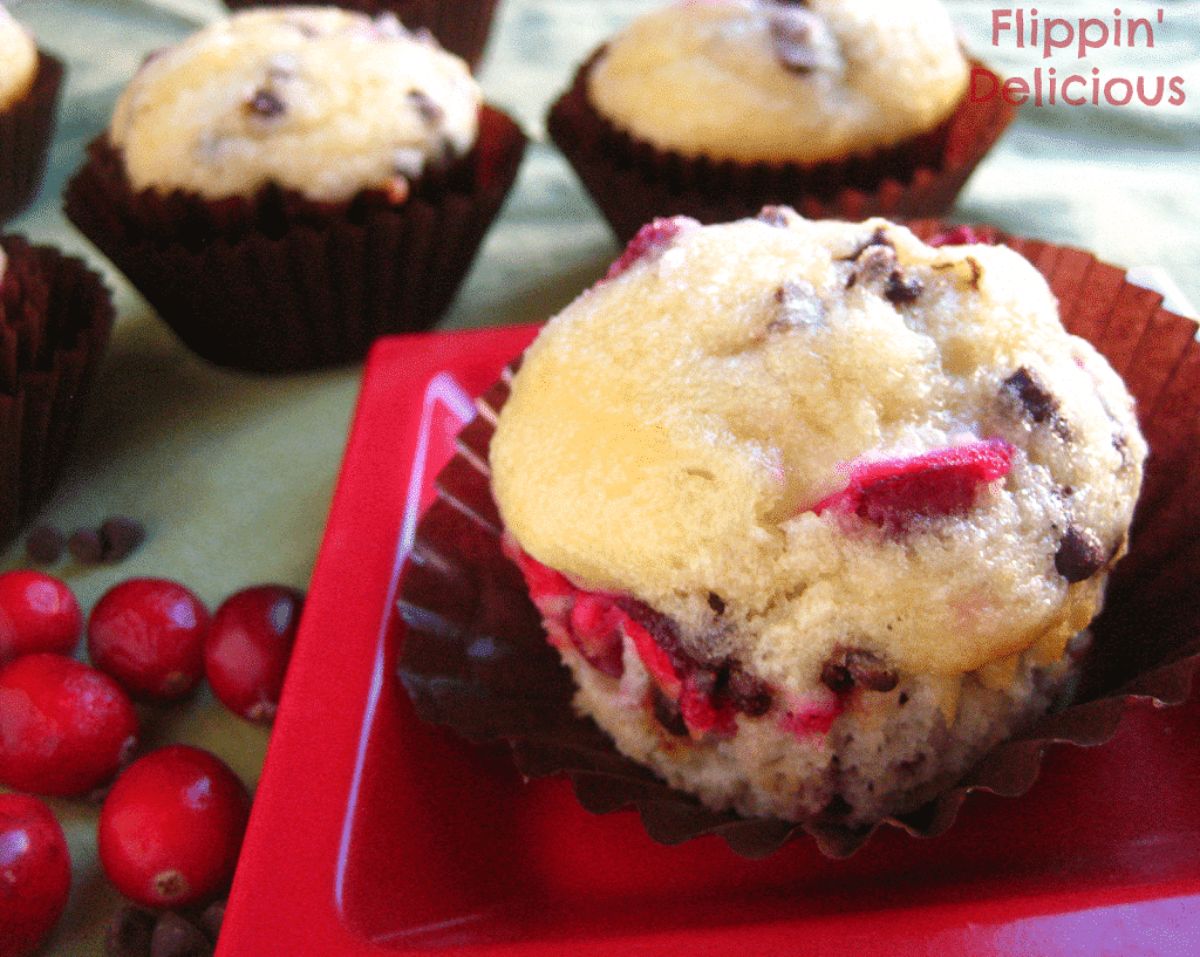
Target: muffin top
(759, 80)
(797, 438)
(18, 59)
(314, 99)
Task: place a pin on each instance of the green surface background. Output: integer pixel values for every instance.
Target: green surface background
(233, 474)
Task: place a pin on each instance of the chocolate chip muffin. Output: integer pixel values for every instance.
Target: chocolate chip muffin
(29, 85)
(815, 513)
(281, 143)
(713, 109)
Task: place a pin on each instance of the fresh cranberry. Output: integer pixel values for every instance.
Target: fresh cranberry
(37, 613)
(891, 492)
(65, 728)
(172, 827)
(247, 650)
(148, 633)
(35, 873)
(652, 237)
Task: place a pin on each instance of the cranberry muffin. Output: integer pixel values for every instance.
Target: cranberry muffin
(815, 513)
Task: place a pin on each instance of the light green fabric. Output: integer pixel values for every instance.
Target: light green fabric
(233, 474)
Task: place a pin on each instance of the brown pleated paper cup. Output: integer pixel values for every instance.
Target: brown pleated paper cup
(278, 283)
(55, 319)
(461, 26)
(475, 657)
(26, 128)
(631, 181)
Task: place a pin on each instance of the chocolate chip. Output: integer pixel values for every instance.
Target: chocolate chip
(876, 264)
(120, 536)
(857, 666)
(1028, 389)
(747, 694)
(1080, 555)
(86, 546)
(792, 30)
(878, 238)
(130, 932)
(428, 110)
(45, 545)
(778, 216)
(176, 937)
(266, 104)
(666, 713)
(716, 603)
(899, 289)
(212, 918)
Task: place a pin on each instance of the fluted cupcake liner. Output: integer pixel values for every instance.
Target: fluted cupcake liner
(55, 319)
(631, 181)
(26, 128)
(279, 283)
(475, 658)
(461, 26)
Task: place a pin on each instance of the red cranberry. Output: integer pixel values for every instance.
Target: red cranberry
(172, 827)
(65, 728)
(35, 873)
(148, 633)
(248, 647)
(37, 613)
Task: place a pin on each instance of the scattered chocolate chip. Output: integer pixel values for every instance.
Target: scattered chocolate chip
(429, 111)
(875, 265)
(1027, 388)
(747, 694)
(716, 603)
(212, 918)
(792, 36)
(130, 932)
(878, 238)
(666, 713)
(838, 806)
(176, 937)
(1080, 555)
(45, 545)
(86, 546)
(120, 537)
(799, 306)
(266, 104)
(903, 699)
(778, 216)
(857, 666)
(898, 289)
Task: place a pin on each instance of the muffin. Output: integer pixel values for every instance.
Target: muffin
(844, 108)
(55, 320)
(461, 26)
(286, 185)
(29, 86)
(815, 513)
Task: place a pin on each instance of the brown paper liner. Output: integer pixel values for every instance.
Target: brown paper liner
(26, 128)
(475, 657)
(55, 319)
(631, 181)
(461, 26)
(279, 283)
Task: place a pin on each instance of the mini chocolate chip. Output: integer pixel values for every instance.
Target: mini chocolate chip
(130, 932)
(212, 918)
(747, 694)
(716, 603)
(878, 238)
(778, 216)
(1027, 388)
(792, 37)
(903, 699)
(120, 536)
(429, 111)
(176, 937)
(666, 713)
(85, 546)
(1080, 555)
(899, 290)
(45, 544)
(857, 666)
(266, 104)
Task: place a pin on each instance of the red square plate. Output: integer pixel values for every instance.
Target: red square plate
(375, 834)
